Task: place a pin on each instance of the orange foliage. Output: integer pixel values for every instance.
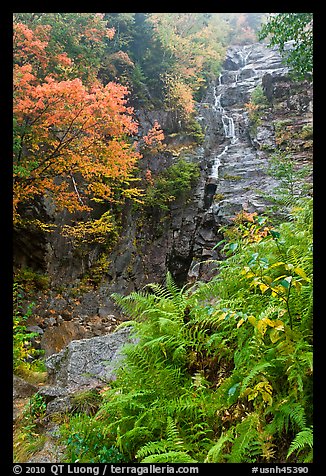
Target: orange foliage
(251, 107)
(252, 228)
(155, 136)
(71, 141)
(149, 177)
(30, 46)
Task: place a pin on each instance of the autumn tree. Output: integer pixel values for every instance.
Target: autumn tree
(72, 141)
(179, 100)
(82, 38)
(297, 28)
(194, 40)
(193, 43)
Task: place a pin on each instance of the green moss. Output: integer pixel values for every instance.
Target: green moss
(231, 177)
(218, 197)
(306, 132)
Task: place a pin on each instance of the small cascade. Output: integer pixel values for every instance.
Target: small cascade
(244, 56)
(217, 163)
(228, 122)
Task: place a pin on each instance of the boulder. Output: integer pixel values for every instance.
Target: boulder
(87, 363)
(22, 389)
(56, 338)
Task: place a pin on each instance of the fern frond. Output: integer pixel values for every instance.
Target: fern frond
(246, 445)
(302, 440)
(133, 437)
(172, 434)
(215, 454)
(134, 304)
(152, 448)
(289, 412)
(256, 370)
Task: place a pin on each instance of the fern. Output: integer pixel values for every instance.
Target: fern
(170, 457)
(289, 415)
(152, 448)
(170, 450)
(246, 445)
(302, 442)
(172, 434)
(256, 370)
(127, 440)
(181, 393)
(215, 454)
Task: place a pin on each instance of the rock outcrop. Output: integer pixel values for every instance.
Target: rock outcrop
(85, 363)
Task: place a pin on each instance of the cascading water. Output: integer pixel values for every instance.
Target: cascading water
(244, 55)
(234, 176)
(228, 122)
(239, 75)
(227, 119)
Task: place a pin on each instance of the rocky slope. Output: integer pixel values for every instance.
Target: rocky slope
(233, 160)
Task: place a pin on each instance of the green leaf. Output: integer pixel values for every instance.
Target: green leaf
(233, 389)
(286, 282)
(233, 246)
(275, 234)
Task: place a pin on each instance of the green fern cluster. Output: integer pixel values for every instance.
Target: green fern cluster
(221, 371)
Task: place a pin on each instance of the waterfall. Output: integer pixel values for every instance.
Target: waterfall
(228, 122)
(234, 174)
(244, 57)
(217, 163)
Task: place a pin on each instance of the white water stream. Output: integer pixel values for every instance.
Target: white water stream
(227, 120)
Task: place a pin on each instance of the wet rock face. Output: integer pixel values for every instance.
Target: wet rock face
(236, 156)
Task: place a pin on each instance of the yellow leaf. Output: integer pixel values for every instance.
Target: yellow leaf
(274, 335)
(297, 285)
(262, 326)
(302, 274)
(279, 325)
(252, 320)
(240, 323)
(279, 263)
(263, 287)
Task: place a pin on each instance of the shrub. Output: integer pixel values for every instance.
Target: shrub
(25, 357)
(172, 184)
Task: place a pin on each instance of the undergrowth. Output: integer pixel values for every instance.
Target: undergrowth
(221, 371)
